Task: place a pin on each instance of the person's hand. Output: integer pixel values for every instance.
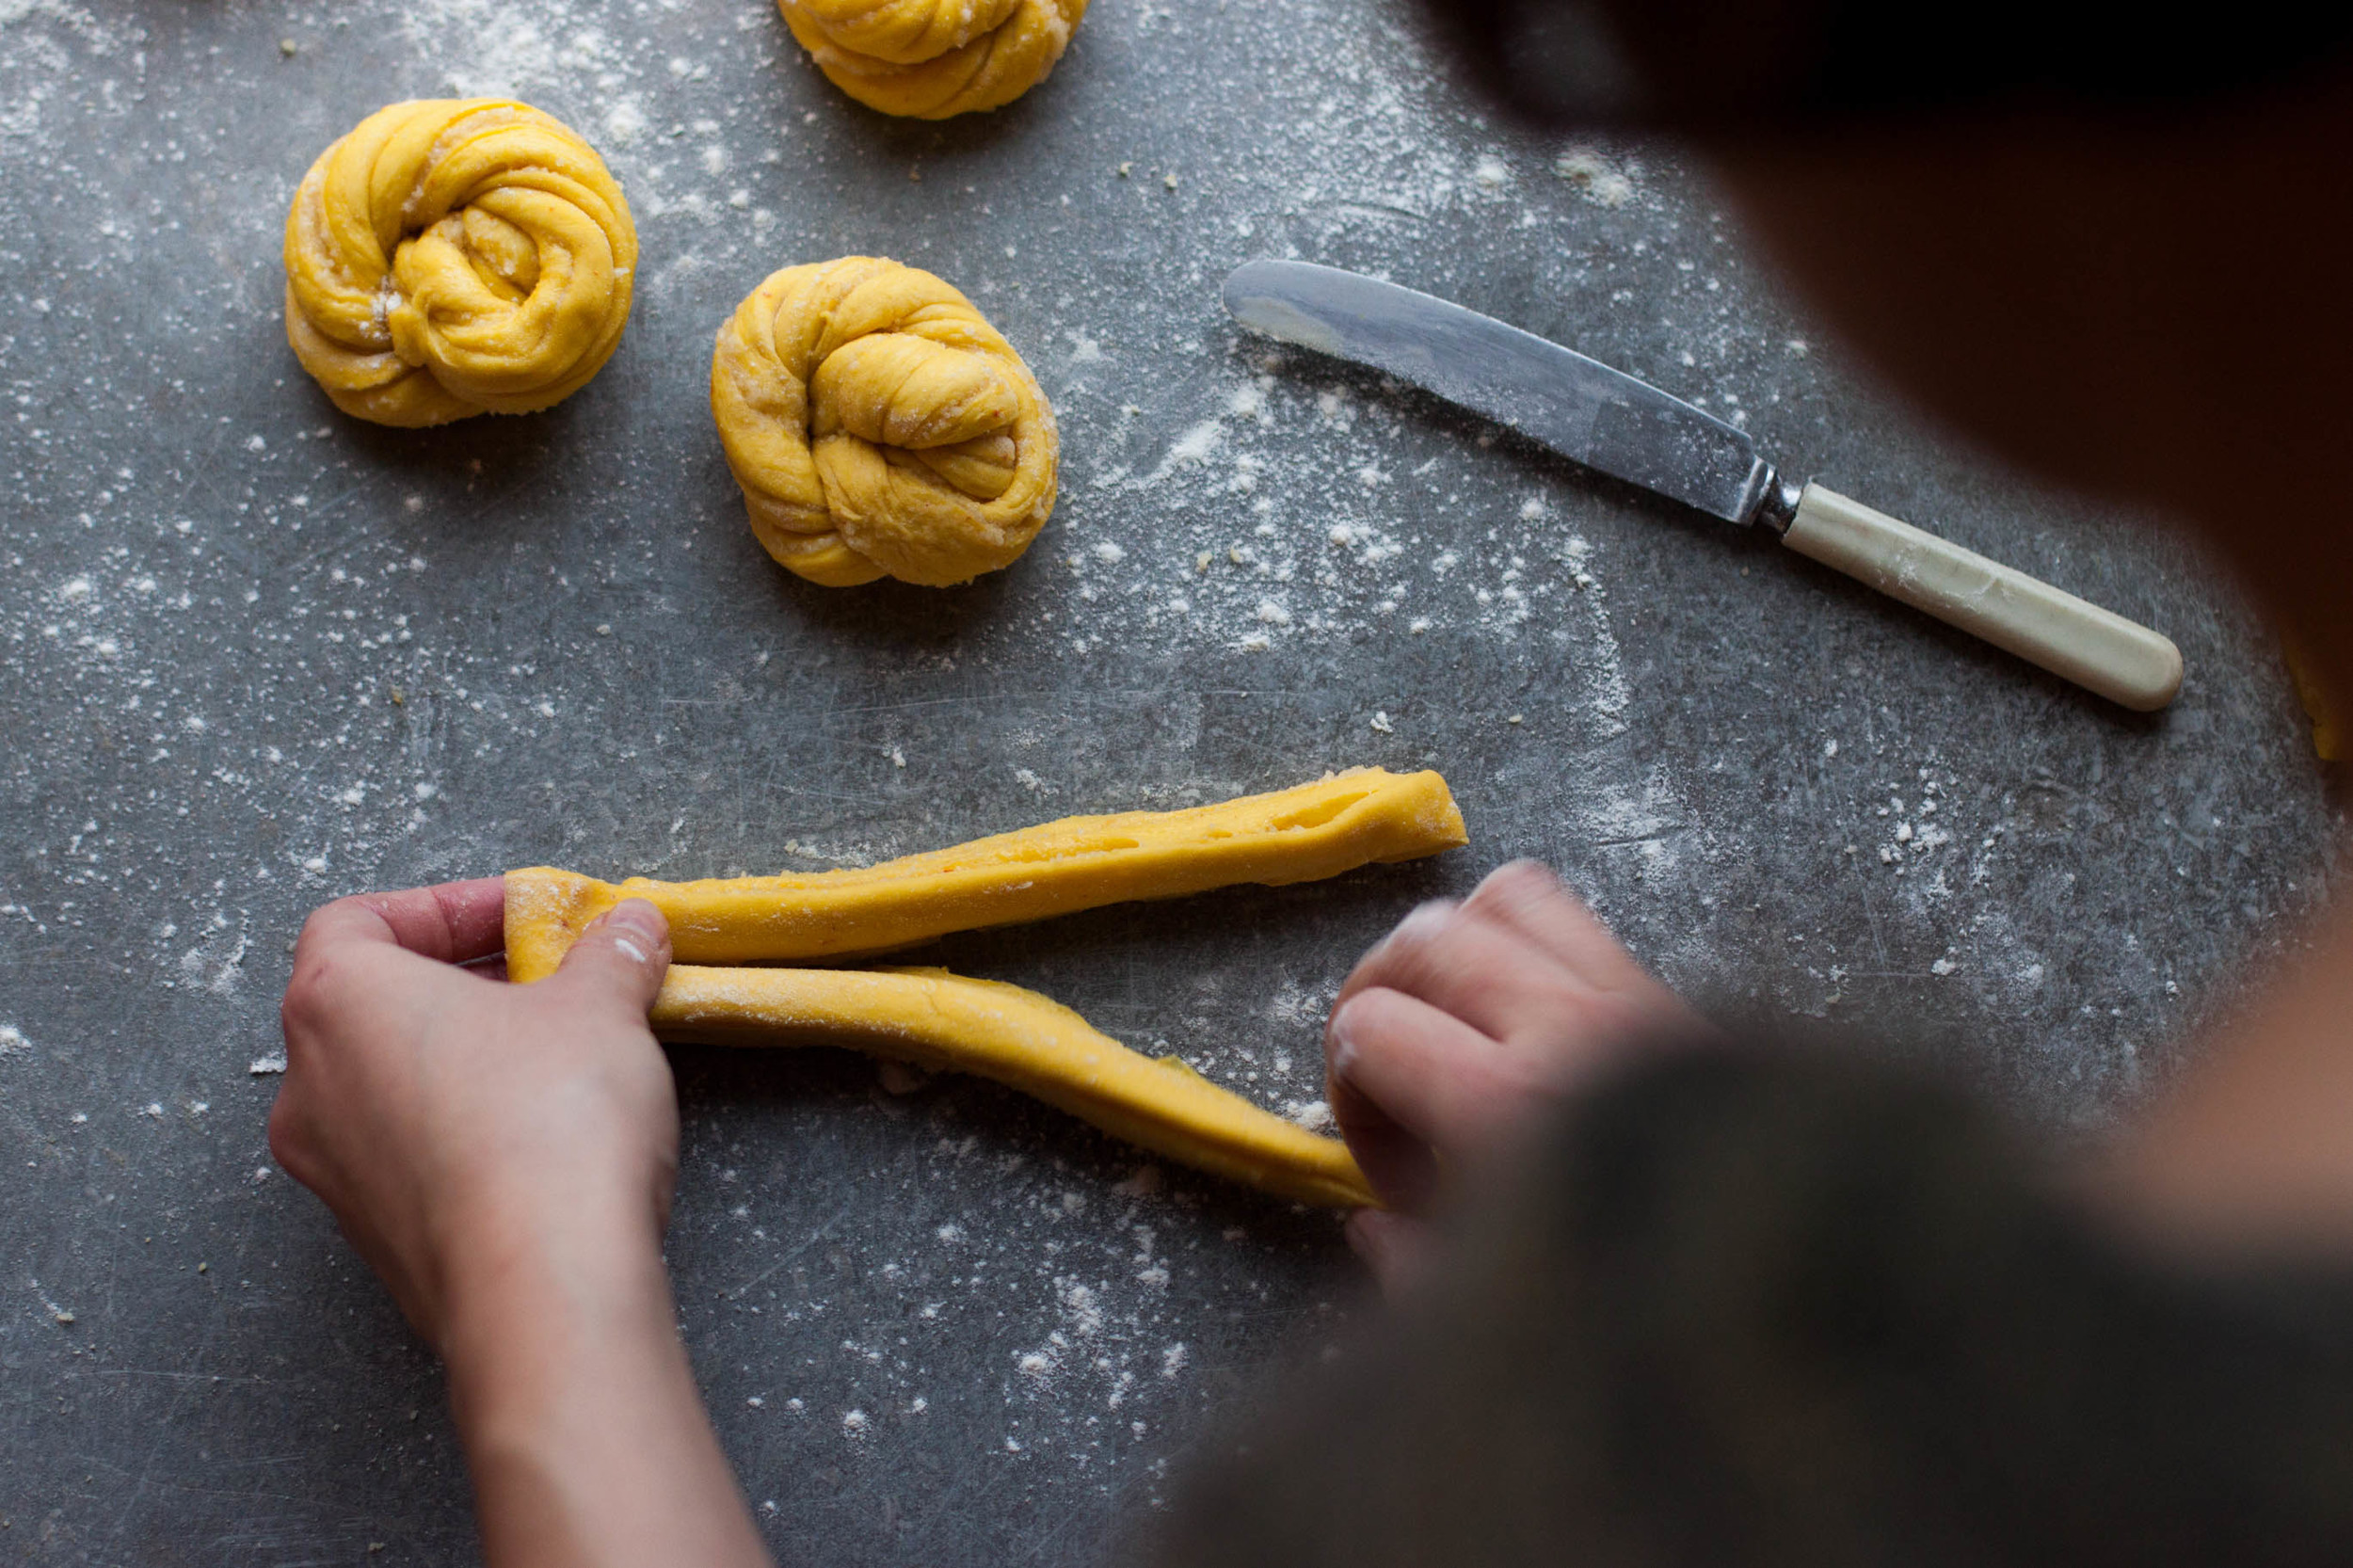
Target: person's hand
(448, 1118)
(504, 1157)
(1468, 1020)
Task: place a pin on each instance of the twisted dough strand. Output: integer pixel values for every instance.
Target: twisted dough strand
(1365, 816)
(1018, 1037)
(879, 426)
(951, 1022)
(934, 58)
(454, 257)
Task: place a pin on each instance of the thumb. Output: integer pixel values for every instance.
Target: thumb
(621, 958)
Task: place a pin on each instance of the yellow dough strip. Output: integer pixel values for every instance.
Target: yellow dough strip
(1025, 1041)
(1357, 818)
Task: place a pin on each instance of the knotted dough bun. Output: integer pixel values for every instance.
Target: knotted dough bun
(880, 427)
(453, 257)
(933, 59)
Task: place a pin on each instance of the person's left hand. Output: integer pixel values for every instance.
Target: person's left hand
(456, 1124)
(504, 1156)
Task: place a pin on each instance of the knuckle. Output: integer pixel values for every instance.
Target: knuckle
(1425, 946)
(1418, 933)
(307, 1002)
(1515, 876)
(311, 922)
(315, 924)
(1527, 890)
(285, 1138)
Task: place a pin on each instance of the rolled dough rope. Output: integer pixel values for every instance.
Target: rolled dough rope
(934, 58)
(1025, 1041)
(453, 257)
(1357, 818)
(879, 426)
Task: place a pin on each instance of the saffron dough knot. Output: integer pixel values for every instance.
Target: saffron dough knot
(934, 58)
(451, 257)
(880, 427)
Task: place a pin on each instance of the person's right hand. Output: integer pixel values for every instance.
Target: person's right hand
(1468, 1021)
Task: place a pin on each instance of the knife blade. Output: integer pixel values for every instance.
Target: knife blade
(1604, 418)
(1628, 430)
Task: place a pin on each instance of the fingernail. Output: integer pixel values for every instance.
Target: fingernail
(1343, 1041)
(638, 919)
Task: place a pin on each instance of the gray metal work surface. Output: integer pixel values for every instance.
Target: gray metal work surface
(254, 655)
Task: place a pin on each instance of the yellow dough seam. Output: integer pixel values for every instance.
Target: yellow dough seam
(1361, 817)
(1027, 1042)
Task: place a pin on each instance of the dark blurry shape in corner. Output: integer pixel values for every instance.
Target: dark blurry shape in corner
(1773, 1308)
(1697, 66)
(2328, 732)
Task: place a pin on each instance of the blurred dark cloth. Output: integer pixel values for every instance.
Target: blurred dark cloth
(1754, 1310)
(1734, 64)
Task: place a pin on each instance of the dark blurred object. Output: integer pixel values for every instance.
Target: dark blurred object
(1754, 1311)
(1689, 64)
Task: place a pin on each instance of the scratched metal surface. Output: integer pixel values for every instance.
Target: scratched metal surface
(253, 655)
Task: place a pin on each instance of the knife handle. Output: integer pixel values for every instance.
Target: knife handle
(2096, 649)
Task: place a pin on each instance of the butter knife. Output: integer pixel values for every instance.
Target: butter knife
(1630, 430)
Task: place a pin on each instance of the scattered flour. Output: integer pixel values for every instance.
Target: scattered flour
(485, 49)
(1602, 181)
(1315, 1115)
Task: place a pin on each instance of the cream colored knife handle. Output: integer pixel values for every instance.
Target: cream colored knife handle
(2096, 649)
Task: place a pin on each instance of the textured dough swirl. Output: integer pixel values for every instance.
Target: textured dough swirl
(933, 59)
(880, 427)
(457, 256)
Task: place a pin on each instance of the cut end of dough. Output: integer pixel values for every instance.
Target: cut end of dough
(547, 909)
